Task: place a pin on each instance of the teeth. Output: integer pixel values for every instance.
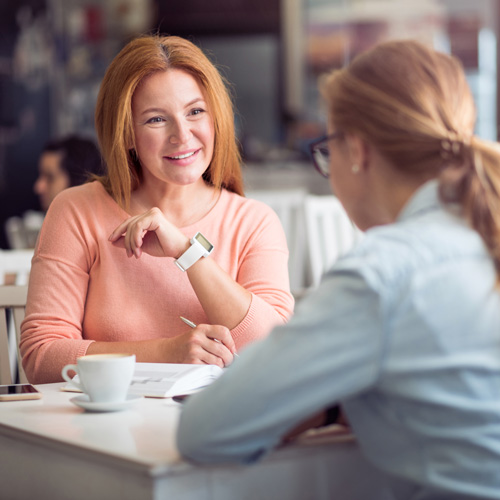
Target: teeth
(181, 157)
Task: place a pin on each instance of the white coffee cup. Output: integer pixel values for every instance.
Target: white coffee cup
(105, 378)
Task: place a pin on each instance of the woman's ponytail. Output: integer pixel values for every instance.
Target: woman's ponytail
(471, 179)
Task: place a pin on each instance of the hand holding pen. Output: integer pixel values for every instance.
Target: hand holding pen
(193, 325)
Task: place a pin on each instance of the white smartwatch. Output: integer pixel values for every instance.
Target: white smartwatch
(200, 247)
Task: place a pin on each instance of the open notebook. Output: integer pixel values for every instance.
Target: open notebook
(164, 380)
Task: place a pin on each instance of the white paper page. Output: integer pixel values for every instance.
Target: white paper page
(169, 379)
(163, 380)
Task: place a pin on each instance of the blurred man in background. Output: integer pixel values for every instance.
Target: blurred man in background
(63, 163)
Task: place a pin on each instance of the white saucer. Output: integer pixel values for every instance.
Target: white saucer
(84, 402)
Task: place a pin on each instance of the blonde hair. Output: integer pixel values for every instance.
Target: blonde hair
(415, 106)
(140, 58)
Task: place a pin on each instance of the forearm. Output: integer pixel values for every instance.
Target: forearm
(43, 361)
(321, 356)
(203, 344)
(146, 351)
(224, 301)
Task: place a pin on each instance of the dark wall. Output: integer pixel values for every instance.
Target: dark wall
(24, 118)
(244, 39)
(219, 17)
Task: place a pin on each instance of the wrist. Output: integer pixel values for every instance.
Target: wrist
(199, 247)
(183, 247)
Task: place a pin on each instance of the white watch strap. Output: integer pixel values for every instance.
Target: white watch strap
(194, 253)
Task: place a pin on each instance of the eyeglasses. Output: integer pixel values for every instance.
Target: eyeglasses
(321, 153)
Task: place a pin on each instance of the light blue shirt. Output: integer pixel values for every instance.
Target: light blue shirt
(405, 333)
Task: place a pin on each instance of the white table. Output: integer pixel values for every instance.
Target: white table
(51, 449)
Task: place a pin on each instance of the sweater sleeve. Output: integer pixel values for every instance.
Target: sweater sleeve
(51, 334)
(262, 270)
(84, 289)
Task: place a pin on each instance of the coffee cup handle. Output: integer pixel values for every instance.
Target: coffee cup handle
(66, 377)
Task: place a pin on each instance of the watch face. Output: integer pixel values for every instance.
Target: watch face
(204, 242)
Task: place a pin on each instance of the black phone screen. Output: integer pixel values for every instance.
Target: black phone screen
(17, 389)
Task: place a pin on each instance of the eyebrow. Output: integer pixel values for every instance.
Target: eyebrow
(161, 110)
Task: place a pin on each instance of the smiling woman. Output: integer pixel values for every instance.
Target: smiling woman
(174, 131)
(165, 126)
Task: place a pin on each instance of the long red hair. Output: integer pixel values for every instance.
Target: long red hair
(140, 58)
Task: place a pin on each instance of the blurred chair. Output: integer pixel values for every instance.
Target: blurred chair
(22, 232)
(12, 307)
(289, 206)
(15, 266)
(330, 233)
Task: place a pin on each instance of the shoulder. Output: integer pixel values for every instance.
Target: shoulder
(83, 200)
(82, 194)
(249, 206)
(86, 211)
(432, 237)
(246, 211)
(247, 219)
(435, 246)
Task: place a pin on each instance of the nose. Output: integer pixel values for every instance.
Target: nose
(180, 132)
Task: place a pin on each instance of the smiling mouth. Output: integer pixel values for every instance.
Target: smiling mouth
(181, 157)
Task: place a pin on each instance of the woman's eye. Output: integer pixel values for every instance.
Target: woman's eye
(197, 111)
(156, 119)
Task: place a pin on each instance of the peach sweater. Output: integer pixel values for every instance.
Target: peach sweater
(83, 289)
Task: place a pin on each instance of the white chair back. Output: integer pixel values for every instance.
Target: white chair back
(12, 310)
(330, 233)
(288, 205)
(22, 232)
(15, 266)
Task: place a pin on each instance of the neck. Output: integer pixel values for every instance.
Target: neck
(387, 190)
(393, 191)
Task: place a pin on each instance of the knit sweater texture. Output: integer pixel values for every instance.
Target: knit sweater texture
(83, 288)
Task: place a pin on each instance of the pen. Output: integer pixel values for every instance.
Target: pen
(193, 325)
(189, 323)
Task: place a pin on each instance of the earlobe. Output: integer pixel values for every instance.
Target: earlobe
(359, 152)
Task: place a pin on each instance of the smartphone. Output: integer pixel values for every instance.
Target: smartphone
(19, 392)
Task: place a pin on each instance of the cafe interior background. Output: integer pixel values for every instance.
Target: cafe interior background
(53, 54)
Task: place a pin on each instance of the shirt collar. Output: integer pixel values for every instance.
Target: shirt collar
(425, 199)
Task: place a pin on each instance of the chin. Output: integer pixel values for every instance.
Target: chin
(186, 178)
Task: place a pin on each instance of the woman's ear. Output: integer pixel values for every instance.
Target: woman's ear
(359, 151)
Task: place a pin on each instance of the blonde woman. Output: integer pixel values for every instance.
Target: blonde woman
(165, 233)
(404, 332)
